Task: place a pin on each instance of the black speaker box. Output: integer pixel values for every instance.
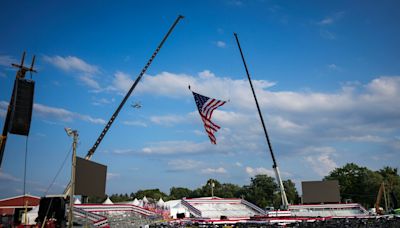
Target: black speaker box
(21, 109)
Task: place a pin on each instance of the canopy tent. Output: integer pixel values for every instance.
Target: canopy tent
(108, 201)
(136, 202)
(145, 200)
(160, 203)
(77, 201)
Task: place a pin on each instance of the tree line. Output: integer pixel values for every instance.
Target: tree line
(358, 184)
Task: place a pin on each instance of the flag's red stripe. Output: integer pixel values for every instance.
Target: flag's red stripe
(209, 107)
(205, 120)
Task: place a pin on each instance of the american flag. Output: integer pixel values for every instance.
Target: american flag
(206, 107)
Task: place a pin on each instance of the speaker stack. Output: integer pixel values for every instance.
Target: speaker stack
(21, 109)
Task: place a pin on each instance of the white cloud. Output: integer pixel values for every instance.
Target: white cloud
(8, 177)
(72, 63)
(364, 138)
(6, 60)
(326, 21)
(221, 44)
(294, 119)
(327, 34)
(219, 170)
(63, 114)
(168, 120)
(86, 71)
(286, 125)
(238, 164)
(123, 151)
(235, 2)
(256, 171)
(137, 123)
(121, 82)
(261, 170)
(176, 86)
(175, 147)
(332, 66)
(112, 176)
(331, 19)
(89, 81)
(102, 101)
(320, 159)
(183, 165)
(383, 87)
(3, 108)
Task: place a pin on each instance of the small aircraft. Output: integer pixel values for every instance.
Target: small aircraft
(136, 105)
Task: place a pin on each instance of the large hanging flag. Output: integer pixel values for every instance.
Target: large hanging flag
(206, 107)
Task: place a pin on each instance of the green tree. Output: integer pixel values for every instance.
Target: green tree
(357, 183)
(154, 194)
(229, 190)
(261, 190)
(196, 193)
(291, 192)
(392, 185)
(205, 190)
(225, 190)
(179, 193)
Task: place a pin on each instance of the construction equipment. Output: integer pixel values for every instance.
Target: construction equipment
(285, 203)
(114, 116)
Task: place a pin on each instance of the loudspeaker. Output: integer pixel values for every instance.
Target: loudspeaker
(21, 110)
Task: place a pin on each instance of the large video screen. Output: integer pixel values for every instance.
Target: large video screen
(90, 178)
(320, 191)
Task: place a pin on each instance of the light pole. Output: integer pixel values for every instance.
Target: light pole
(74, 134)
(212, 188)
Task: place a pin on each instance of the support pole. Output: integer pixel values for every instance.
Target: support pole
(74, 134)
(212, 188)
(275, 165)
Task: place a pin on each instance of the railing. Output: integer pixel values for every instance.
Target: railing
(95, 219)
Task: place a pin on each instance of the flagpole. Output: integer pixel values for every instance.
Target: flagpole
(275, 165)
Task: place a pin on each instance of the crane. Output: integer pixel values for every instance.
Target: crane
(114, 116)
(285, 203)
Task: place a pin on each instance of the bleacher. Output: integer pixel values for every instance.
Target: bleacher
(328, 210)
(218, 208)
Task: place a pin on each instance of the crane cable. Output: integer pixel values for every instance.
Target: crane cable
(59, 170)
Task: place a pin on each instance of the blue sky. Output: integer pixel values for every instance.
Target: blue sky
(327, 75)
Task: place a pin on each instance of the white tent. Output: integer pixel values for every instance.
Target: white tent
(145, 200)
(77, 201)
(160, 203)
(136, 202)
(108, 201)
(30, 216)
